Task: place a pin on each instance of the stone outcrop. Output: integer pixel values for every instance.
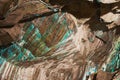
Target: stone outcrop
(61, 47)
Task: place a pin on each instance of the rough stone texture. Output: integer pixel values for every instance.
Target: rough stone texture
(92, 50)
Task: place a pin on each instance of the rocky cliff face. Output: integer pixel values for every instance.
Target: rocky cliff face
(63, 47)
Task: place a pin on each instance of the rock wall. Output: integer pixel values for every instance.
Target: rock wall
(61, 47)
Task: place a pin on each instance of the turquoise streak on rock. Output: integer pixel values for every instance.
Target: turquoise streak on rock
(68, 33)
(32, 36)
(115, 59)
(15, 53)
(28, 31)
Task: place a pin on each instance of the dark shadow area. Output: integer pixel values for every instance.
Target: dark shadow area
(85, 8)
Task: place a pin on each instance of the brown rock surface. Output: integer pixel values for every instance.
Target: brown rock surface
(90, 44)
